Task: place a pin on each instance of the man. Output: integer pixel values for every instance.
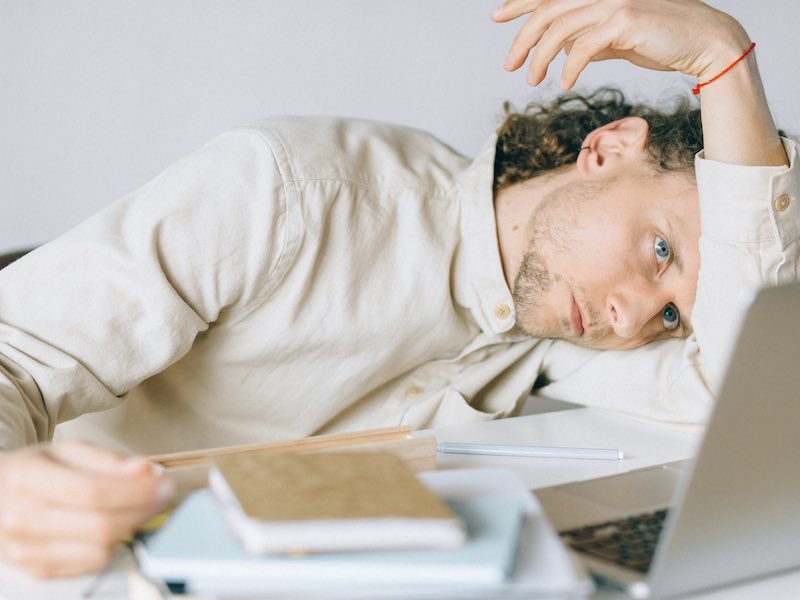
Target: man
(307, 276)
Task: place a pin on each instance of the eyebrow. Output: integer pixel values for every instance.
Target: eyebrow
(676, 247)
(686, 328)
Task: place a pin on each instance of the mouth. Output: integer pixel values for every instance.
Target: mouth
(576, 319)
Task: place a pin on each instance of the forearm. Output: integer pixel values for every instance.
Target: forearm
(737, 125)
(747, 243)
(662, 381)
(23, 416)
(87, 317)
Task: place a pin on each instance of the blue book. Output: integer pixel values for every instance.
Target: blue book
(196, 548)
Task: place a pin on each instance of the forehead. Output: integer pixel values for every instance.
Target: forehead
(661, 182)
(670, 194)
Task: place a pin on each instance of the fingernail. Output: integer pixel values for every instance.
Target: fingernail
(165, 492)
(134, 463)
(498, 12)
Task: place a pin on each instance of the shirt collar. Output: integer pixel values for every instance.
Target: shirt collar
(479, 281)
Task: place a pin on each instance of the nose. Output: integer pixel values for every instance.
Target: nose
(632, 307)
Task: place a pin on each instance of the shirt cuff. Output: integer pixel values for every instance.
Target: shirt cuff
(746, 204)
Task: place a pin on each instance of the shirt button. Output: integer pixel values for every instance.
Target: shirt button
(781, 203)
(501, 311)
(414, 391)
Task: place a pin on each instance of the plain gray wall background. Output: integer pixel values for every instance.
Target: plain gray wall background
(98, 96)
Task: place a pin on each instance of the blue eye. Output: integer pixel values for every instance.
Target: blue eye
(661, 249)
(670, 316)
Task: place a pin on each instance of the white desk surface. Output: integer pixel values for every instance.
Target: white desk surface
(644, 444)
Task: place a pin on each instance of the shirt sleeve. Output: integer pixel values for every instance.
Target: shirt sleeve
(750, 223)
(88, 316)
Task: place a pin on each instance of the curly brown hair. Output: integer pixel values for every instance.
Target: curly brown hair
(547, 136)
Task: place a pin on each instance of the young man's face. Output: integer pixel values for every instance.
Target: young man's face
(613, 262)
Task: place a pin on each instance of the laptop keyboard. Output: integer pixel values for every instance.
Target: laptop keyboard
(629, 542)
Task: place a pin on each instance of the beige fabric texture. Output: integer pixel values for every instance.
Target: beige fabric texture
(307, 276)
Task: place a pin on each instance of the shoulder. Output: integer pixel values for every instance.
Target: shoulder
(355, 149)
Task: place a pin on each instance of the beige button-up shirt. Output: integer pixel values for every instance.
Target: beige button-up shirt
(304, 276)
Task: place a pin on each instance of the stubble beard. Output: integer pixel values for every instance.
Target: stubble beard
(535, 278)
(532, 282)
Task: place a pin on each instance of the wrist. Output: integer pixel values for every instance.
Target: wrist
(724, 49)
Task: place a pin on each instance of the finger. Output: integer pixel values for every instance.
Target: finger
(102, 461)
(531, 31)
(593, 45)
(52, 482)
(58, 558)
(36, 521)
(510, 10)
(93, 458)
(523, 42)
(559, 32)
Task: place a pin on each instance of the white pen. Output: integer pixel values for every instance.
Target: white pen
(535, 451)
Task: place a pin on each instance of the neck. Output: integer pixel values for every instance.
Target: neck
(514, 206)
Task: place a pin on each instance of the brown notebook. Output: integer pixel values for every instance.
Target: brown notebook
(336, 501)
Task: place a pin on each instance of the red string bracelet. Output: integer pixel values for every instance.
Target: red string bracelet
(696, 89)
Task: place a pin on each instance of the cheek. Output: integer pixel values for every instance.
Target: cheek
(596, 254)
(582, 243)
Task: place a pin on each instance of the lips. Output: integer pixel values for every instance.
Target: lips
(575, 319)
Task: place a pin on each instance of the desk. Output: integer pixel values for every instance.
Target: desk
(644, 443)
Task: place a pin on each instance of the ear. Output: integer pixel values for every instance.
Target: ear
(613, 144)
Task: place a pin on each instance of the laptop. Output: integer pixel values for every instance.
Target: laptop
(730, 514)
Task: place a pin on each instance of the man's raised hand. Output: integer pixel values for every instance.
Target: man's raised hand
(680, 35)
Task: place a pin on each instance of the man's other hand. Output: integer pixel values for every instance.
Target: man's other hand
(680, 35)
(64, 507)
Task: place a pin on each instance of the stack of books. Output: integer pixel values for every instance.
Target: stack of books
(358, 524)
